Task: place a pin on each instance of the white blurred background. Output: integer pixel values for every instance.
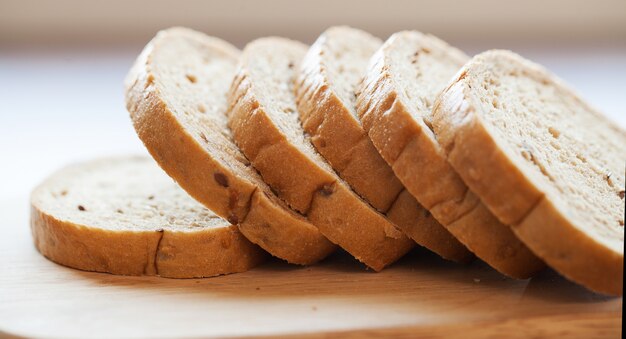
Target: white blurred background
(62, 62)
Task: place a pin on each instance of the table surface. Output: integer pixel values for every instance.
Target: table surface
(69, 107)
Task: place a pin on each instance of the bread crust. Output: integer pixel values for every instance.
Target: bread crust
(164, 252)
(307, 186)
(339, 137)
(289, 235)
(419, 162)
(535, 219)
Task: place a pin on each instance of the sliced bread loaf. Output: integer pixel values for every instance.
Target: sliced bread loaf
(265, 123)
(176, 95)
(125, 216)
(543, 161)
(394, 105)
(325, 92)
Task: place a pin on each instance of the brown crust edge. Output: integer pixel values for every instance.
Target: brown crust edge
(408, 151)
(543, 227)
(168, 254)
(158, 129)
(338, 212)
(341, 140)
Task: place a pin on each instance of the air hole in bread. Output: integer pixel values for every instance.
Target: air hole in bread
(151, 197)
(192, 78)
(203, 137)
(414, 57)
(119, 211)
(427, 102)
(81, 208)
(63, 193)
(201, 108)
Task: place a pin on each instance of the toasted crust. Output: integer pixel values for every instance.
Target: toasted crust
(247, 201)
(307, 184)
(338, 136)
(164, 252)
(416, 158)
(536, 219)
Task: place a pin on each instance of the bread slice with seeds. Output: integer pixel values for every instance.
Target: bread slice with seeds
(544, 162)
(176, 96)
(325, 92)
(125, 216)
(394, 104)
(265, 124)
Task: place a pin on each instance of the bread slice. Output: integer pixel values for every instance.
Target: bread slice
(544, 162)
(394, 104)
(125, 216)
(325, 92)
(176, 95)
(264, 120)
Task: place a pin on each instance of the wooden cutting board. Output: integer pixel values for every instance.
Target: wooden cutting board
(421, 295)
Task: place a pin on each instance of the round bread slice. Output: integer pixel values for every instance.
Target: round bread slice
(125, 216)
(394, 104)
(544, 162)
(176, 96)
(325, 92)
(265, 123)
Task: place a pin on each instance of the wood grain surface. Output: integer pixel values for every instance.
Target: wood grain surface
(420, 296)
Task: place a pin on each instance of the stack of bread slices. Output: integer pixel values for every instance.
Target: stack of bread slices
(374, 147)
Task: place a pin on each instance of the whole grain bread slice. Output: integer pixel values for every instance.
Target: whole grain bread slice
(125, 216)
(325, 92)
(543, 161)
(394, 104)
(265, 124)
(176, 96)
